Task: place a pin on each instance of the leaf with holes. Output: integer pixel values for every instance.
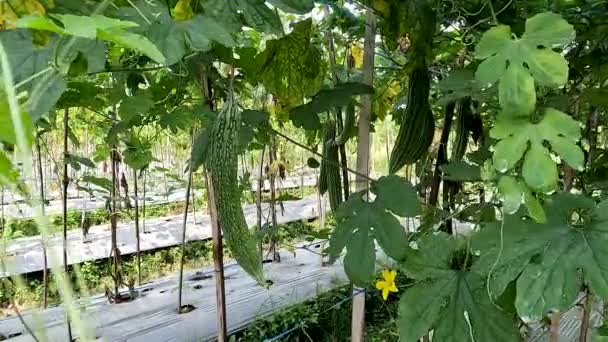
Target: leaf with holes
(519, 137)
(447, 298)
(530, 60)
(547, 259)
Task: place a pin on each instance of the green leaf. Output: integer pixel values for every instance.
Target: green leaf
(360, 258)
(103, 183)
(37, 22)
(450, 301)
(530, 60)
(25, 58)
(306, 115)
(138, 158)
(8, 175)
(254, 118)
(461, 171)
(294, 6)
(134, 106)
(535, 209)
(547, 259)
(549, 30)
(200, 149)
(539, 170)
(7, 129)
(394, 196)
(397, 195)
(258, 16)
(516, 92)
(76, 161)
(212, 29)
(493, 42)
(548, 67)
(292, 67)
(45, 93)
(515, 135)
(512, 192)
(132, 41)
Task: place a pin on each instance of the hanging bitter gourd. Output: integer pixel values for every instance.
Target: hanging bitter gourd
(329, 166)
(418, 125)
(349, 123)
(463, 113)
(222, 164)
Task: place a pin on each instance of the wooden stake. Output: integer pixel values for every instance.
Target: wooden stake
(218, 263)
(363, 148)
(45, 271)
(586, 316)
(258, 201)
(183, 245)
(138, 250)
(65, 209)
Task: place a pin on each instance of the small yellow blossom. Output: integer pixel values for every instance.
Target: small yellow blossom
(387, 283)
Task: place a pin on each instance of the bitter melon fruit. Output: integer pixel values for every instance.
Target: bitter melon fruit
(349, 123)
(463, 113)
(222, 163)
(418, 125)
(329, 166)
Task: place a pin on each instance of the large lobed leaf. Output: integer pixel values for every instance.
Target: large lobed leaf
(359, 222)
(520, 63)
(519, 137)
(547, 259)
(448, 300)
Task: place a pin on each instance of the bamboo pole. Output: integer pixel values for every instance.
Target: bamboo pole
(183, 244)
(65, 208)
(363, 149)
(137, 239)
(218, 263)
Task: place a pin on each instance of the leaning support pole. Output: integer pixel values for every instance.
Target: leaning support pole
(363, 149)
(183, 244)
(218, 263)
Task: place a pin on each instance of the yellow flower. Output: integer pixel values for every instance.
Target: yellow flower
(387, 283)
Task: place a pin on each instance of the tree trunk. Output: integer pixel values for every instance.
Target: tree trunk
(363, 149)
(45, 271)
(137, 240)
(183, 244)
(66, 182)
